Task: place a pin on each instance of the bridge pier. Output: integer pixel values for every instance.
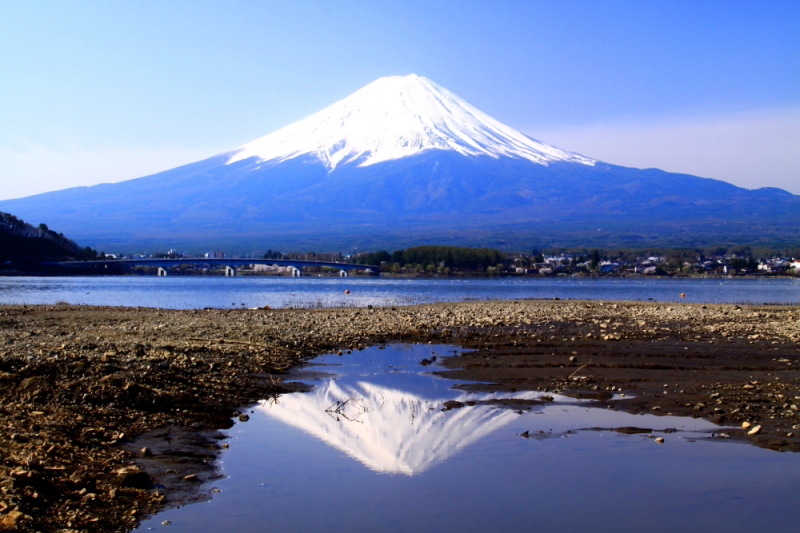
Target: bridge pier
(343, 273)
(295, 272)
(162, 271)
(229, 271)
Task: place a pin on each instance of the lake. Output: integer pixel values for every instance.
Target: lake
(177, 292)
(370, 448)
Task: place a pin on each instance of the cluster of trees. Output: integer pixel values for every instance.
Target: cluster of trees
(20, 241)
(449, 257)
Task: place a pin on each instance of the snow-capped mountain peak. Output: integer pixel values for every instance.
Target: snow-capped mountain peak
(396, 117)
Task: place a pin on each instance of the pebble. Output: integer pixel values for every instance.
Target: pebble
(660, 440)
(755, 430)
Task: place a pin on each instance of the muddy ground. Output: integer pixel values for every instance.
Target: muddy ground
(107, 414)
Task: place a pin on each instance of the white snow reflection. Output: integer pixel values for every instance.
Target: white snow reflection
(391, 430)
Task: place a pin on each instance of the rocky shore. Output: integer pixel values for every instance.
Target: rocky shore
(100, 404)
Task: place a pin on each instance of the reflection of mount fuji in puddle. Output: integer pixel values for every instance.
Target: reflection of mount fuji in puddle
(390, 430)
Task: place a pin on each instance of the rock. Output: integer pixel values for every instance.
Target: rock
(755, 430)
(573, 359)
(145, 452)
(745, 425)
(244, 417)
(452, 404)
(191, 477)
(660, 440)
(133, 477)
(11, 520)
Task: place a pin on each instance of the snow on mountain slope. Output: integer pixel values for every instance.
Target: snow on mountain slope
(396, 117)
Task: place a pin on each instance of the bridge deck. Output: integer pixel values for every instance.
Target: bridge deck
(226, 262)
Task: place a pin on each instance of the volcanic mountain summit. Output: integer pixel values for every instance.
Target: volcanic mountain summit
(401, 162)
(393, 118)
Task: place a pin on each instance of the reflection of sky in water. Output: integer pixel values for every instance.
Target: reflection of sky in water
(180, 292)
(301, 464)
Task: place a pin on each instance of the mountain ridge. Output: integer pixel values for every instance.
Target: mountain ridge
(330, 193)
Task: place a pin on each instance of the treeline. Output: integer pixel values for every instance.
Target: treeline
(440, 256)
(20, 241)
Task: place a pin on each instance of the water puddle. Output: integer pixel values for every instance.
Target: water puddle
(381, 444)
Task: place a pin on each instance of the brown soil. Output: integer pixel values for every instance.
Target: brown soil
(98, 404)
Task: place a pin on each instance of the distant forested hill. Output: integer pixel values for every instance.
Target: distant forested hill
(22, 242)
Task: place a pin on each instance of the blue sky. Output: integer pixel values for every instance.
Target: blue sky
(97, 91)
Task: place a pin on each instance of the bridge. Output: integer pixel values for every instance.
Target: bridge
(296, 265)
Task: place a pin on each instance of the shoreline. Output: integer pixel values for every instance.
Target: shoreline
(93, 399)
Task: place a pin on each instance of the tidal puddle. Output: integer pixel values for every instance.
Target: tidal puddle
(373, 448)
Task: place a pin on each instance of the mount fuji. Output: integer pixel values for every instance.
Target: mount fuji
(400, 162)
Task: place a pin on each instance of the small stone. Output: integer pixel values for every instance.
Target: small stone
(745, 425)
(190, 477)
(11, 519)
(145, 452)
(244, 417)
(755, 430)
(166, 523)
(660, 440)
(573, 359)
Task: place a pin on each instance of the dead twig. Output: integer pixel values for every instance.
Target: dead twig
(337, 409)
(579, 369)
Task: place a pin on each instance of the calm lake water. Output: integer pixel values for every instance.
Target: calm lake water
(370, 449)
(176, 292)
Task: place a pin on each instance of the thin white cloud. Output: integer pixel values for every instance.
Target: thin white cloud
(33, 169)
(749, 149)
